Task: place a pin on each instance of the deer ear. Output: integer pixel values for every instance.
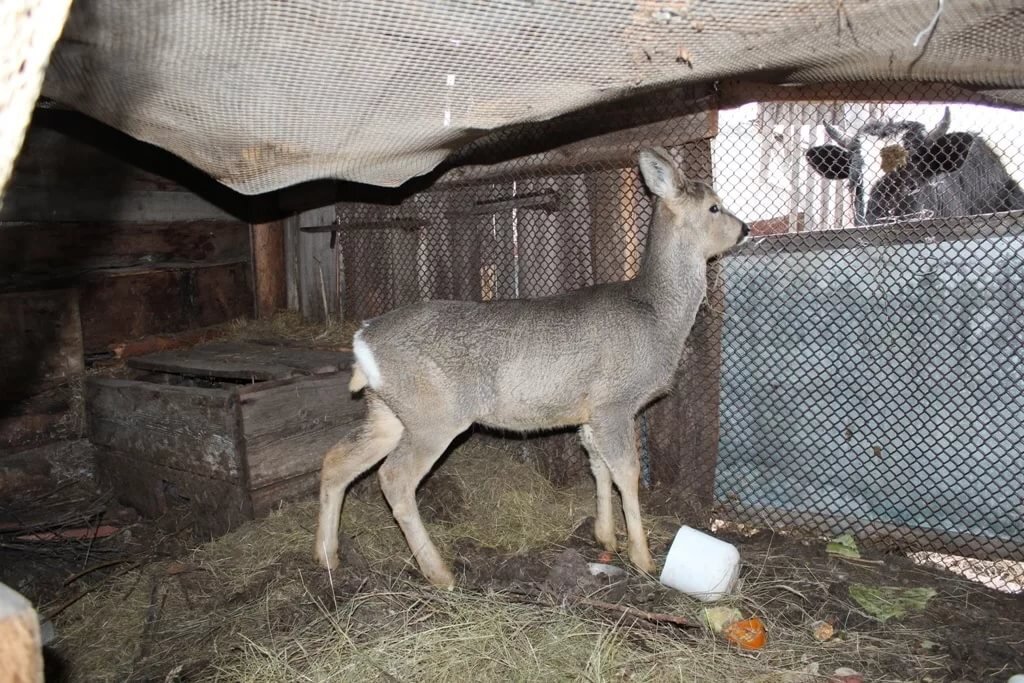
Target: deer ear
(660, 174)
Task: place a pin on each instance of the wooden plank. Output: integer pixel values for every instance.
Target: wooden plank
(49, 253)
(268, 267)
(299, 487)
(157, 342)
(52, 159)
(77, 204)
(609, 135)
(293, 272)
(288, 427)
(319, 287)
(183, 428)
(128, 305)
(222, 293)
(244, 361)
(212, 507)
(21, 645)
(614, 223)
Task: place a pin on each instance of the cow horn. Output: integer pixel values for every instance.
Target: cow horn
(940, 128)
(834, 133)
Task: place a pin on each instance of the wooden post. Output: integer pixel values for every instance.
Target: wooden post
(268, 267)
(615, 197)
(21, 646)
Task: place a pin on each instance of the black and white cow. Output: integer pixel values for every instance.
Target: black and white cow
(898, 169)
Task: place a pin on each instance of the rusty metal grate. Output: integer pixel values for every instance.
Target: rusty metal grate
(869, 378)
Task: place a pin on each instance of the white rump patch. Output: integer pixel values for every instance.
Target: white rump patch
(364, 358)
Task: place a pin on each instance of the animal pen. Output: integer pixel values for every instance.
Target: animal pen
(847, 412)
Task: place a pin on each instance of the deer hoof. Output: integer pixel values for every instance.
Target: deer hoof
(326, 560)
(442, 579)
(643, 562)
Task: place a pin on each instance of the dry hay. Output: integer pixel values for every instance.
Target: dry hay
(291, 326)
(252, 606)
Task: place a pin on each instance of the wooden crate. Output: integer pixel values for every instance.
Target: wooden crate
(224, 431)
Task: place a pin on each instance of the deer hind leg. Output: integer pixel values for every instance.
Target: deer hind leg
(399, 476)
(604, 527)
(613, 437)
(349, 458)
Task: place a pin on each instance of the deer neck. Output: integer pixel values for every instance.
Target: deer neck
(673, 275)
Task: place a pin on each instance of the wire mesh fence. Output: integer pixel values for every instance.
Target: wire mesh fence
(870, 374)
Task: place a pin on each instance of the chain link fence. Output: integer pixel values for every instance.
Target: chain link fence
(869, 339)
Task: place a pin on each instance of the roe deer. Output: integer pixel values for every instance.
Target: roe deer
(593, 357)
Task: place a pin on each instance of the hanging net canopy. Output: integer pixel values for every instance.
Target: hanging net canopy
(263, 94)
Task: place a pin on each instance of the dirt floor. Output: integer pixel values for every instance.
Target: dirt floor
(150, 603)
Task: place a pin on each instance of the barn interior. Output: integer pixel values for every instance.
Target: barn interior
(203, 201)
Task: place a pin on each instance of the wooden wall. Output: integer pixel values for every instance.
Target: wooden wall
(95, 251)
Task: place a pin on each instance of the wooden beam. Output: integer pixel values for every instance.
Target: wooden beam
(129, 304)
(268, 267)
(35, 255)
(608, 135)
(319, 284)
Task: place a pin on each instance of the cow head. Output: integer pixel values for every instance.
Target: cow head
(887, 163)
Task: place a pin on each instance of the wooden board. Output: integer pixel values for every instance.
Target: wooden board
(608, 134)
(289, 426)
(52, 253)
(244, 361)
(319, 284)
(268, 498)
(76, 204)
(131, 304)
(268, 266)
(214, 506)
(21, 645)
(183, 428)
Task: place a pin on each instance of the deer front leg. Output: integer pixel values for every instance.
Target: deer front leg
(604, 526)
(399, 476)
(612, 436)
(349, 458)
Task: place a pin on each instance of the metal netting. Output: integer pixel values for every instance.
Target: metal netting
(262, 94)
(866, 377)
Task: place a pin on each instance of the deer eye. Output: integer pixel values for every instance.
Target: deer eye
(714, 208)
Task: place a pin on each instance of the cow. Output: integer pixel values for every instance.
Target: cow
(898, 169)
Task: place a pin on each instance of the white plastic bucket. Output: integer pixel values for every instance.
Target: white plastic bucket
(700, 565)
